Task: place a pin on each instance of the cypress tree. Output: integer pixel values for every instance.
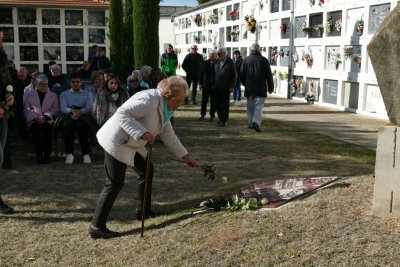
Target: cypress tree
(116, 35)
(128, 59)
(146, 16)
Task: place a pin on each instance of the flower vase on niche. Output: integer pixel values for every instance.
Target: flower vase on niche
(310, 97)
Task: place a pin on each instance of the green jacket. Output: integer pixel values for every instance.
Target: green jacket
(169, 63)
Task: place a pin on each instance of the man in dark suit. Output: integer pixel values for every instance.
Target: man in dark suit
(224, 80)
(193, 66)
(256, 76)
(205, 86)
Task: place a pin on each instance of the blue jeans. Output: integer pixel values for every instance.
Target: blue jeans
(237, 92)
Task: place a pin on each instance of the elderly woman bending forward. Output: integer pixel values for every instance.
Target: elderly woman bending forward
(124, 136)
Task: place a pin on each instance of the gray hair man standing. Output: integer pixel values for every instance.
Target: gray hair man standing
(224, 81)
(256, 76)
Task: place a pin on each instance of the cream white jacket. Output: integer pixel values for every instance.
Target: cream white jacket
(143, 112)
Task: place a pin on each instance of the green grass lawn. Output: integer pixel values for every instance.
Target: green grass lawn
(333, 227)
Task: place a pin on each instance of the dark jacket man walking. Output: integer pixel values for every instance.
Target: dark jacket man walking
(205, 86)
(193, 66)
(224, 81)
(256, 76)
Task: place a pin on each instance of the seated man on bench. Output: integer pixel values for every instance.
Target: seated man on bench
(76, 107)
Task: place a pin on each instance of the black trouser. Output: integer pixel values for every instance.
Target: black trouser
(69, 128)
(195, 82)
(41, 137)
(115, 179)
(222, 104)
(208, 93)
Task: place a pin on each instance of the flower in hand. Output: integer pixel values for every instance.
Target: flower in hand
(189, 161)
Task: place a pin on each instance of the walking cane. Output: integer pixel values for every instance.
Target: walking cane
(146, 186)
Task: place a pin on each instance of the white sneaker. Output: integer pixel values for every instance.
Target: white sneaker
(86, 159)
(69, 159)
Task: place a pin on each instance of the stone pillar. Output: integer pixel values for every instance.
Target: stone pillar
(386, 201)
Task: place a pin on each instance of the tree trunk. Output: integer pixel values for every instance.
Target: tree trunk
(116, 35)
(146, 16)
(128, 59)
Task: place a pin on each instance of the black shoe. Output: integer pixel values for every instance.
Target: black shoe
(212, 119)
(221, 124)
(201, 118)
(256, 127)
(194, 102)
(6, 165)
(102, 233)
(150, 214)
(5, 209)
(186, 101)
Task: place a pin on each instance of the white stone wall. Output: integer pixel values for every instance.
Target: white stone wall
(341, 80)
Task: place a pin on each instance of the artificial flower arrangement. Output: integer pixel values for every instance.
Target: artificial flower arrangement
(234, 14)
(321, 2)
(295, 57)
(281, 52)
(197, 39)
(338, 24)
(310, 97)
(221, 11)
(319, 27)
(198, 20)
(250, 23)
(348, 51)
(308, 59)
(312, 2)
(338, 60)
(304, 27)
(284, 75)
(283, 28)
(357, 59)
(360, 27)
(329, 25)
(213, 18)
(274, 53)
(235, 32)
(3, 104)
(261, 4)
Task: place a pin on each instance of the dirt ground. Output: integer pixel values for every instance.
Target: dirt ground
(333, 227)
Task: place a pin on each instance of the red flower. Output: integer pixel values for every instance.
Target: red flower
(232, 13)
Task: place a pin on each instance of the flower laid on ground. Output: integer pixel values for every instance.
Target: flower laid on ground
(250, 23)
(321, 2)
(328, 25)
(233, 203)
(3, 104)
(304, 27)
(360, 27)
(338, 24)
(348, 51)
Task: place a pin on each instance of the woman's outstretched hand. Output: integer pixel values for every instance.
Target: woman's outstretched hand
(149, 138)
(189, 161)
